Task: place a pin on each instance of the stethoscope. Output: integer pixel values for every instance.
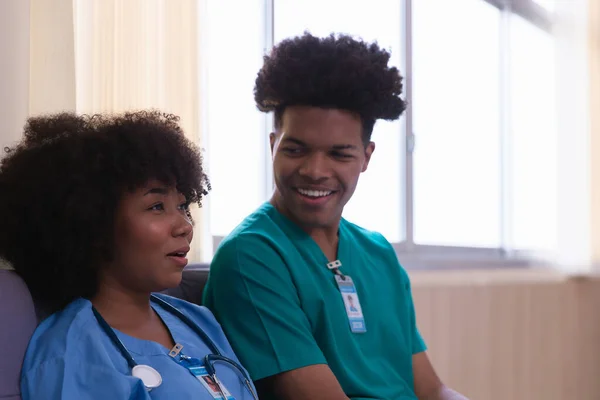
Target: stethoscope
(151, 377)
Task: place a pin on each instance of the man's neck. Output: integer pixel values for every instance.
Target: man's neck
(122, 308)
(327, 240)
(325, 237)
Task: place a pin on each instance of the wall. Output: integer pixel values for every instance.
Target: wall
(498, 335)
(14, 68)
(52, 57)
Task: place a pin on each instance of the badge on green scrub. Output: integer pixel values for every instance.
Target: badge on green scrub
(352, 303)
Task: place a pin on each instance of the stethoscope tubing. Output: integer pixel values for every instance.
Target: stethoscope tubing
(215, 352)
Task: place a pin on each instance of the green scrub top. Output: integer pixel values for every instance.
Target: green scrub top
(281, 308)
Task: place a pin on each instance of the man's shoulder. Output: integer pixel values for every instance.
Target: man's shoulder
(258, 250)
(375, 244)
(365, 236)
(259, 233)
(261, 220)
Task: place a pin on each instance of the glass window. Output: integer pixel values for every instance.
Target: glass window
(533, 155)
(235, 134)
(377, 203)
(456, 108)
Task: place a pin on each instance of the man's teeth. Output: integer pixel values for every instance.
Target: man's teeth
(314, 193)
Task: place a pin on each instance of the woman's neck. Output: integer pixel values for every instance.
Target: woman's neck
(124, 309)
(129, 311)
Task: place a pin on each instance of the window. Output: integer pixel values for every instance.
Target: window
(548, 5)
(479, 81)
(373, 20)
(456, 123)
(234, 130)
(533, 138)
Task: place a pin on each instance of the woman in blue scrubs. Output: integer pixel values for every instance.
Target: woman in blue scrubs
(95, 218)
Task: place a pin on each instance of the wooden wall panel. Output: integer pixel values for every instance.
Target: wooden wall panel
(511, 334)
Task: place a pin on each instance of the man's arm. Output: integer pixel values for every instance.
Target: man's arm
(428, 385)
(315, 382)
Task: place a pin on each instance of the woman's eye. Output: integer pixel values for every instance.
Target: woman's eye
(185, 206)
(157, 207)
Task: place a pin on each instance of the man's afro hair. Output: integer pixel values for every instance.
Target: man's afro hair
(332, 72)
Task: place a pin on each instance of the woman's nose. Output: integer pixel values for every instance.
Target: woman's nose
(183, 226)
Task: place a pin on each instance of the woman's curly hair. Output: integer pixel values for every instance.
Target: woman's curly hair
(332, 72)
(60, 187)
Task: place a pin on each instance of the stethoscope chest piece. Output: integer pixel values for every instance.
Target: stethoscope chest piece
(149, 376)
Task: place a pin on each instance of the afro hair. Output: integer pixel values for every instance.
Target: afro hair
(332, 72)
(60, 187)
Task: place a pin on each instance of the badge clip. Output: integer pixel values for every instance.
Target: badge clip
(175, 350)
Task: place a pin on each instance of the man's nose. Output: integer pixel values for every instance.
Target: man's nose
(315, 167)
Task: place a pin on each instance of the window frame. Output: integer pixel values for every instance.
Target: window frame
(411, 254)
(420, 256)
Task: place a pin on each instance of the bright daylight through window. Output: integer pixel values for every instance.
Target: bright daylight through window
(479, 83)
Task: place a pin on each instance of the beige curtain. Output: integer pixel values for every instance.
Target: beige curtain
(117, 55)
(135, 54)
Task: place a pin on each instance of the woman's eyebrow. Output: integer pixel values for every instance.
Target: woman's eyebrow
(157, 190)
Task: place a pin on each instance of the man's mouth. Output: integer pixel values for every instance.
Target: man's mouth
(315, 194)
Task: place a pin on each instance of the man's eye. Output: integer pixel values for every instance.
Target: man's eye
(291, 150)
(338, 154)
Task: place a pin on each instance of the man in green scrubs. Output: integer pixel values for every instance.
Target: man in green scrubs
(315, 306)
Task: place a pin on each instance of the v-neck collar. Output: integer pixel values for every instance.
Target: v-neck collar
(302, 238)
(148, 347)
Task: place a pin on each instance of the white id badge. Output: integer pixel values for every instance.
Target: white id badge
(352, 304)
(209, 383)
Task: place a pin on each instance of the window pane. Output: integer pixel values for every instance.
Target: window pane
(235, 135)
(377, 203)
(548, 5)
(534, 137)
(456, 103)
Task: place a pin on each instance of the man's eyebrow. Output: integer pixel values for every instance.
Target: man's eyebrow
(335, 147)
(295, 141)
(345, 147)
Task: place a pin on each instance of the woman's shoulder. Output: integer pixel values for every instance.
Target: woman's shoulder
(198, 314)
(58, 335)
(67, 358)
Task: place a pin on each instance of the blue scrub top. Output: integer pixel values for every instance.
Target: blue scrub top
(71, 357)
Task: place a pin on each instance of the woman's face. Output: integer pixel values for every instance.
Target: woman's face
(152, 238)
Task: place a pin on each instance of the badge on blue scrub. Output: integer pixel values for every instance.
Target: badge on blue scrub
(211, 384)
(352, 303)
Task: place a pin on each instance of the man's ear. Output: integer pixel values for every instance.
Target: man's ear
(369, 149)
(272, 140)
